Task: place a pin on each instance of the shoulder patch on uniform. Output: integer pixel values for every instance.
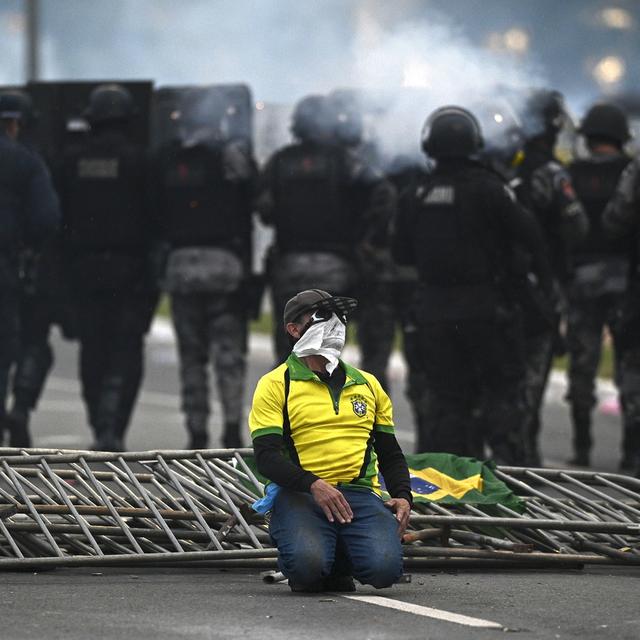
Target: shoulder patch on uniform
(359, 405)
(443, 194)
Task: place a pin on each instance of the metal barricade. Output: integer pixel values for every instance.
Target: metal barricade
(71, 508)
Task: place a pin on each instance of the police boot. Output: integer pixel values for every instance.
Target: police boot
(581, 418)
(231, 438)
(630, 447)
(197, 429)
(17, 424)
(106, 439)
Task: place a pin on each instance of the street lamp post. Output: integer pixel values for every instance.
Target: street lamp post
(32, 48)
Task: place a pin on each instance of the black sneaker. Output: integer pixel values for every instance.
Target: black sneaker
(317, 587)
(343, 584)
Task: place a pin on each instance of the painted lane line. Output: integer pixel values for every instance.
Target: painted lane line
(427, 612)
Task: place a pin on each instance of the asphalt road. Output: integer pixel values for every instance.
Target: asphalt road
(205, 603)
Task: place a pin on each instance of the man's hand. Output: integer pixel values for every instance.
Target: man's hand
(402, 509)
(331, 501)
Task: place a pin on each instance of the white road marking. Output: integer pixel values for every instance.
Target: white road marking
(427, 612)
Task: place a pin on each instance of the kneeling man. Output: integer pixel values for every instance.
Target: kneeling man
(321, 429)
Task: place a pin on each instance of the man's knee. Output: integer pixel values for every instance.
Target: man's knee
(381, 570)
(305, 565)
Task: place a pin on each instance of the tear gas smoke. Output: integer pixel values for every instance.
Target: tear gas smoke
(428, 65)
(284, 49)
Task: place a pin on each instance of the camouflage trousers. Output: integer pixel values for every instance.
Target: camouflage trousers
(587, 319)
(210, 328)
(295, 272)
(538, 359)
(628, 380)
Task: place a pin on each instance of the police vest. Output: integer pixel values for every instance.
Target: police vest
(199, 207)
(104, 195)
(315, 207)
(595, 181)
(456, 242)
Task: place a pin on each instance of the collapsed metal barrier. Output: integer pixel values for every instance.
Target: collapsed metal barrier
(79, 508)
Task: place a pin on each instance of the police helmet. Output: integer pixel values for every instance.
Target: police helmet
(109, 102)
(606, 121)
(15, 105)
(451, 132)
(544, 113)
(312, 120)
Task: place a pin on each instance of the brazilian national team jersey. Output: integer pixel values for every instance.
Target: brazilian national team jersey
(329, 434)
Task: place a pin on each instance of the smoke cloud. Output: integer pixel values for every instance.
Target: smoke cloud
(284, 49)
(431, 64)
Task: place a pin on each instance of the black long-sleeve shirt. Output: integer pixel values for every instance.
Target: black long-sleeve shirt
(273, 463)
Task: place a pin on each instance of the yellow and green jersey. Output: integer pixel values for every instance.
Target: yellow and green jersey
(330, 434)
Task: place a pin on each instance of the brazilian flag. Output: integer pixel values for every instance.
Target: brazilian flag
(450, 479)
(447, 479)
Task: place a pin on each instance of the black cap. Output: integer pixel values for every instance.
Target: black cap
(313, 299)
(14, 105)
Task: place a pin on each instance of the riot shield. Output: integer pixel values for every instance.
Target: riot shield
(60, 107)
(190, 115)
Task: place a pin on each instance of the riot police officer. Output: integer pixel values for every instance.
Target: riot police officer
(600, 270)
(108, 232)
(458, 227)
(544, 187)
(315, 193)
(621, 219)
(42, 303)
(206, 185)
(29, 215)
(406, 173)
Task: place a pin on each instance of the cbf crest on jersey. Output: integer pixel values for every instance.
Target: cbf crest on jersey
(359, 405)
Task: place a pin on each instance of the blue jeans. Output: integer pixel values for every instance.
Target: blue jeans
(311, 548)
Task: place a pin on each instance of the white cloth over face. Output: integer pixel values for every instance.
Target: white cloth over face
(323, 339)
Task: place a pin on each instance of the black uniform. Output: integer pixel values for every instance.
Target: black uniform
(406, 175)
(204, 204)
(600, 269)
(458, 228)
(376, 314)
(544, 187)
(621, 219)
(29, 214)
(314, 195)
(44, 301)
(107, 238)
